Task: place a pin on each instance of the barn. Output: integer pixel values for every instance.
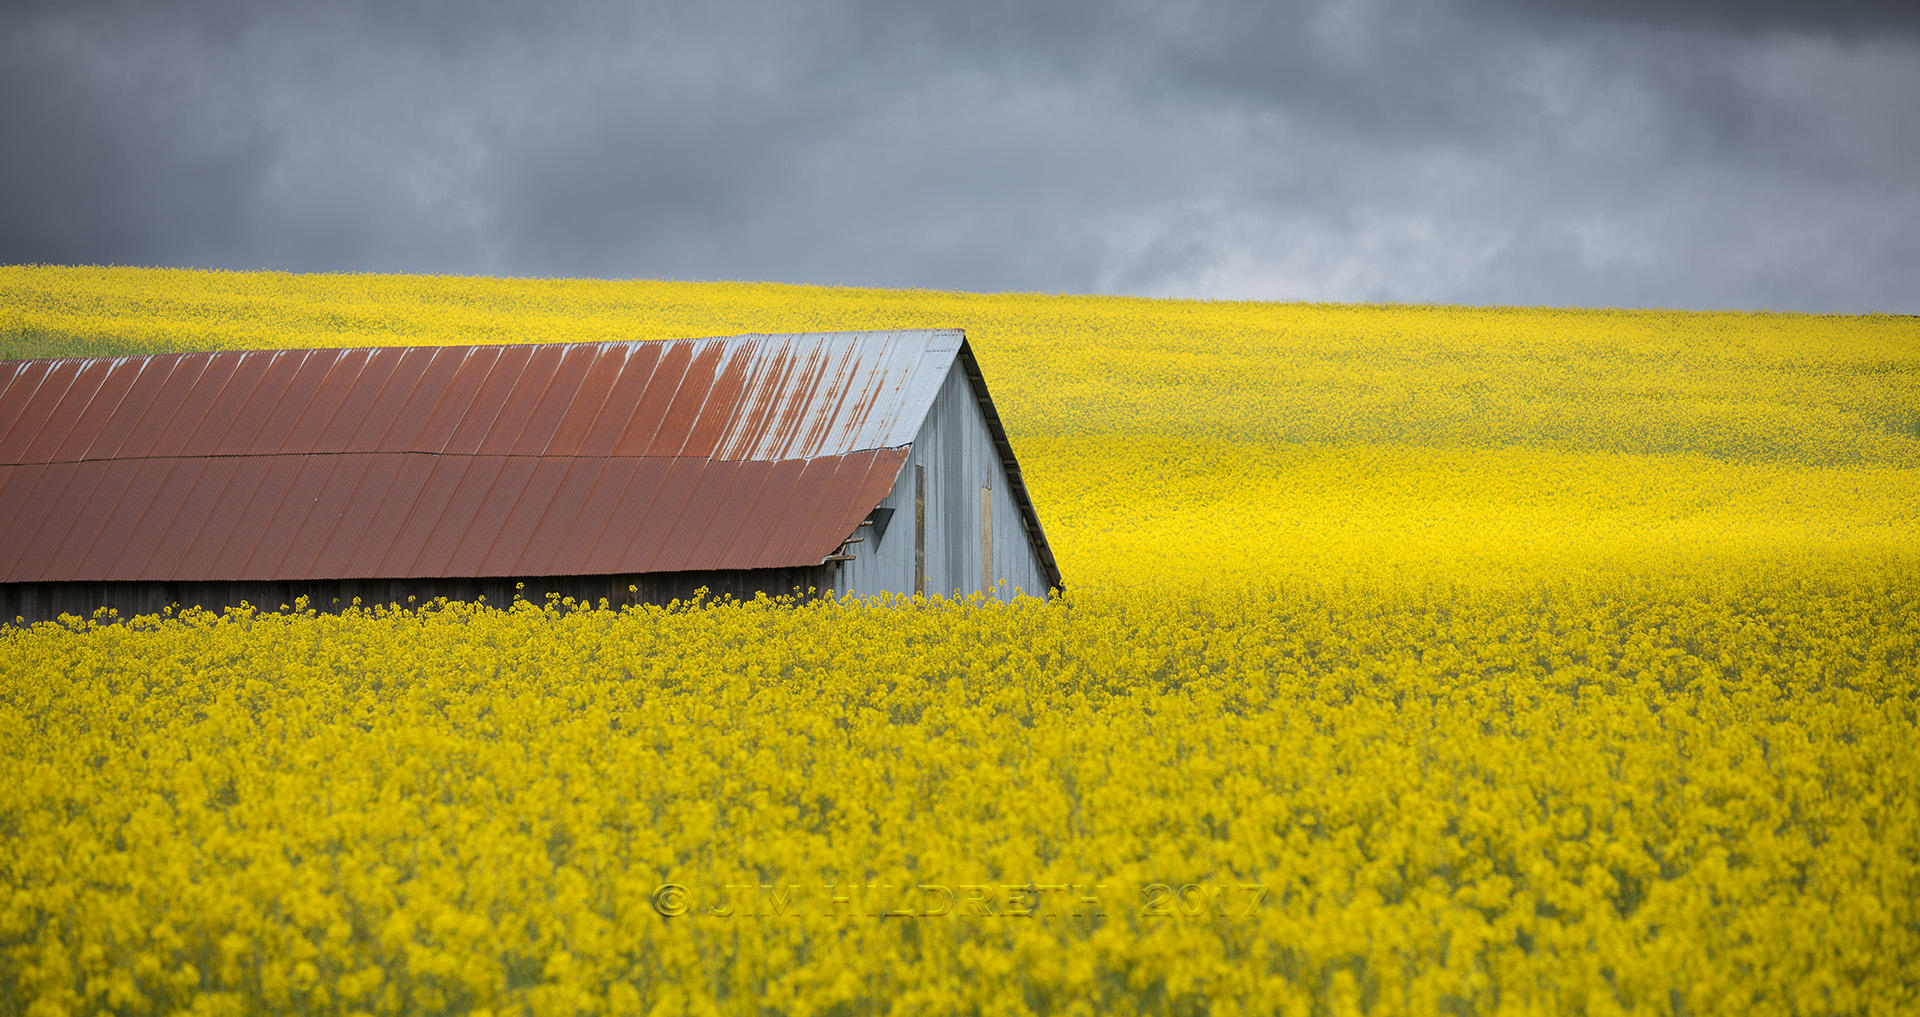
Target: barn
(856, 462)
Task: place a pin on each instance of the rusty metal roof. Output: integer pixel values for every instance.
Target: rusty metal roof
(753, 451)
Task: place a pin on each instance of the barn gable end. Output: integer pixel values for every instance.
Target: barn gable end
(976, 529)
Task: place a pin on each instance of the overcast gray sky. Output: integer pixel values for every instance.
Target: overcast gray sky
(1647, 153)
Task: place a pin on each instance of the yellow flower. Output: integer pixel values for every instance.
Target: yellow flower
(1417, 660)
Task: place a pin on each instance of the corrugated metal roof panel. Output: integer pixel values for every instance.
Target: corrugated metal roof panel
(475, 367)
(242, 477)
(196, 400)
(164, 401)
(137, 494)
(506, 542)
(649, 415)
(718, 520)
(384, 523)
(401, 377)
(458, 517)
(38, 397)
(423, 516)
(336, 555)
(743, 452)
(308, 432)
(214, 435)
(247, 433)
(801, 503)
(92, 521)
(518, 401)
(640, 527)
(254, 520)
(277, 428)
(576, 419)
(491, 507)
(49, 409)
(91, 418)
(610, 515)
(304, 477)
(192, 511)
(305, 517)
(22, 378)
(779, 491)
(540, 420)
(600, 433)
(507, 371)
(172, 488)
(676, 425)
(16, 487)
(60, 418)
(810, 394)
(45, 540)
(800, 372)
(353, 391)
(856, 485)
(403, 425)
(112, 426)
(557, 527)
(321, 516)
(723, 399)
(40, 488)
(682, 518)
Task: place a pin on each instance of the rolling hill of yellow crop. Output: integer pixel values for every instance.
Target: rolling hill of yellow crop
(1184, 441)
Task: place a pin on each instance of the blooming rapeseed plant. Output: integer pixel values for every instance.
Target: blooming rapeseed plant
(1416, 660)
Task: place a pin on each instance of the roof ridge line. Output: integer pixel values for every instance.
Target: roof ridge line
(441, 455)
(435, 346)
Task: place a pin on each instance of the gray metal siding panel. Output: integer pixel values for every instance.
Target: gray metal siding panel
(36, 602)
(956, 447)
(959, 530)
(1013, 558)
(885, 564)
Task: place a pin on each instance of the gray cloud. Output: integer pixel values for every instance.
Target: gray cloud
(1671, 155)
(1844, 18)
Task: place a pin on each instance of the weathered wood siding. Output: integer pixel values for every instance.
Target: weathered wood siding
(33, 602)
(957, 451)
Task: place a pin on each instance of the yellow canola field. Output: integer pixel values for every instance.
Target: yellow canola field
(1593, 800)
(1416, 660)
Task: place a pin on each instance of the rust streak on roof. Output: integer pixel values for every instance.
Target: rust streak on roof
(60, 418)
(33, 401)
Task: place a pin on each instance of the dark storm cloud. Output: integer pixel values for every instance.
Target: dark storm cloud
(1833, 17)
(1749, 155)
